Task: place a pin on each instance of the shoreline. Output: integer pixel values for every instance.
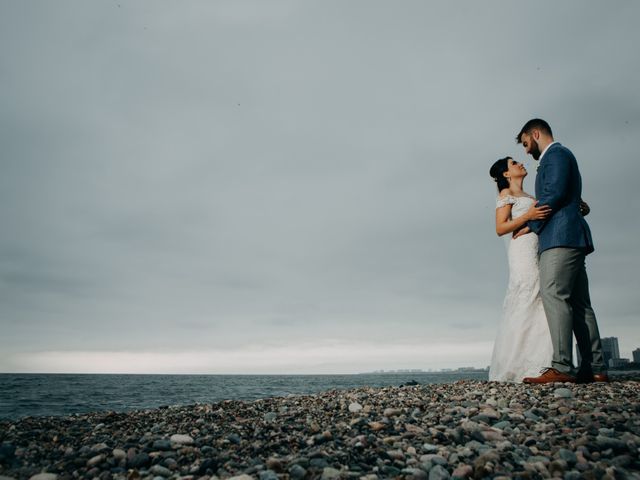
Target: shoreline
(465, 429)
(59, 395)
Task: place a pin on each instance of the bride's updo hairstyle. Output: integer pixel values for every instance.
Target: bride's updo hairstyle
(497, 173)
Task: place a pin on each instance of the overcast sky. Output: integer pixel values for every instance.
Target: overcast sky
(295, 186)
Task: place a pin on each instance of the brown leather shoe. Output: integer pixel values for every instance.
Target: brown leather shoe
(551, 375)
(600, 377)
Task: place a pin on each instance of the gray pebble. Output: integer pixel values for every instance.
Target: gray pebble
(160, 471)
(100, 448)
(434, 459)
(568, 456)
(502, 425)
(296, 472)
(414, 474)
(608, 442)
(531, 416)
(181, 439)
(539, 458)
(94, 461)
(392, 412)
(329, 473)
(562, 393)
(572, 475)
(268, 475)
(429, 448)
(139, 460)
(622, 461)
(439, 473)
(119, 454)
(318, 463)
(162, 444)
(169, 462)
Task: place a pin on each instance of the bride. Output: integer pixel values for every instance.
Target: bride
(523, 343)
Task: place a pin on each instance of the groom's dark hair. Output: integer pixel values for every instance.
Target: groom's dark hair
(534, 124)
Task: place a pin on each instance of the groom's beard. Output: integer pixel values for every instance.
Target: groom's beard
(535, 149)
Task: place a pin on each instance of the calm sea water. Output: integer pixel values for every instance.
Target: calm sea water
(62, 394)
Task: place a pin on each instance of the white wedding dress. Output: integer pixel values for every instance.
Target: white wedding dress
(523, 343)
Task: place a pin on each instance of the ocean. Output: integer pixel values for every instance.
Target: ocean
(23, 395)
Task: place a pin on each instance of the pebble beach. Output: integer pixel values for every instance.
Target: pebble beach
(466, 429)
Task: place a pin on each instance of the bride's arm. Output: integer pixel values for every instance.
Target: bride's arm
(505, 224)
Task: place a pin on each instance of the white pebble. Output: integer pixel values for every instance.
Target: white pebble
(44, 476)
(562, 393)
(181, 439)
(119, 454)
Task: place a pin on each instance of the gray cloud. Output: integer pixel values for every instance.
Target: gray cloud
(218, 176)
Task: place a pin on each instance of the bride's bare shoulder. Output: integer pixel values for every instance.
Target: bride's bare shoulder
(505, 192)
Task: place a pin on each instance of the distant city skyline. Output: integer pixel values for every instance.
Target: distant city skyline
(610, 349)
(442, 370)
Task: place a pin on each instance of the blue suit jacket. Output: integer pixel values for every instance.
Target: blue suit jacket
(559, 185)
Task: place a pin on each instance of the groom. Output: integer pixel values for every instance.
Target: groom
(564, 241)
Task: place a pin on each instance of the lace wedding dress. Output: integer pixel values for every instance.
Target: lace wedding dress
(523, 343)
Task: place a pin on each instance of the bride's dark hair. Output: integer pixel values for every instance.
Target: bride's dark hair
(497, 173)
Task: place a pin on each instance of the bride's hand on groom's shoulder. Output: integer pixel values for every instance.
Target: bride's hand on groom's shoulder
(523, 231)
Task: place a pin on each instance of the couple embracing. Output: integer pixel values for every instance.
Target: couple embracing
(547, 300)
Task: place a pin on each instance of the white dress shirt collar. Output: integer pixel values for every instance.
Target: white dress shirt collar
(545, 150)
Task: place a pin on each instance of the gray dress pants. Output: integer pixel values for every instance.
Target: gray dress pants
(564, 288)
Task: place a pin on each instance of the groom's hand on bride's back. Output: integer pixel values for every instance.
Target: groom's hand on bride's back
(523, 231)
(584, 208)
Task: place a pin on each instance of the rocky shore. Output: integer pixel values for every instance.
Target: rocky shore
(467, 429)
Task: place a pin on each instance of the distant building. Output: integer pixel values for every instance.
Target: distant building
(618, 362)
(636, 355)
(610, 349)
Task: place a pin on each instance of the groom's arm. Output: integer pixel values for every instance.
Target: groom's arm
(554, 186)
